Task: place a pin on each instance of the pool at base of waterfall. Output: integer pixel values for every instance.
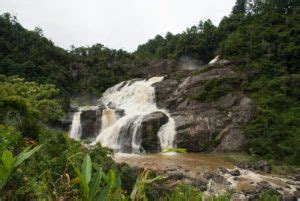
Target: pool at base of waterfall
(194, 162)
(212, 173)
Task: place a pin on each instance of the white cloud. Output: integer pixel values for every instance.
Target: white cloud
(114, 23)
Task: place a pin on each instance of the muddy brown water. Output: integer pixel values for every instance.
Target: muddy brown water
(193, 162)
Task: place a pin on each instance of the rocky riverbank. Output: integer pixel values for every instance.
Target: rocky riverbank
(214, 175)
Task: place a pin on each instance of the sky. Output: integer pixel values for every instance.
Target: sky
(118, 24)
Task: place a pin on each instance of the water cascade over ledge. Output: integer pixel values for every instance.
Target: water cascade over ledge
(130, 119)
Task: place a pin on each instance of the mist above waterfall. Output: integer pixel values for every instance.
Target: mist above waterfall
(189, 63)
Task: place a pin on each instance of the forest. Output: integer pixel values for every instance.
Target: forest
(38, 80)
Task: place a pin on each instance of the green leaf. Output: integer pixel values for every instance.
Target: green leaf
(82, 182)
(86, 168)
(94, 185)
(4, 175)
(112, 178)
(7, 159)
(104, 193)
(25, 155)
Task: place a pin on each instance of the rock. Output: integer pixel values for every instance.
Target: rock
(175, 175)
(150, 126)
(201, 184)
(297, 194)
(206, 126)
(216, 178)
(90, 123)
(227, 101)
(146, 133)
(263, 186)
(263, 166)
(235, 172)
(125, 137)
(193, 136)
(291, 183)
(62, 124)
(73, 108)
(297, 178)
(223, 170)
(120, 112)
(111, 105)
(233, 140)
(288, 198)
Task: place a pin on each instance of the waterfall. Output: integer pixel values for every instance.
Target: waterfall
(76, 129)
(136, 99)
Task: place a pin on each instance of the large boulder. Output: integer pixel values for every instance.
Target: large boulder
(126, 135)
(149, 129)
(146, 133)
(191, 134)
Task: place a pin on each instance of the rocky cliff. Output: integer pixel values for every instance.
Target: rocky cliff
(208, 109)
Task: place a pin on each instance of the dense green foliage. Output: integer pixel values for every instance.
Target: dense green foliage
(268, 46)
(198, 42)
(97, 68)
(215, 88)
(27, 105)
(10, 163)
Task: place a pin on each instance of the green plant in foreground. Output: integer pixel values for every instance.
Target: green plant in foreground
(138, 192)
(91, 185)
(269, 196)
(10, 163)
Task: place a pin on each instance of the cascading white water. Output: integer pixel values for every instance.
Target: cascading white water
(137, 99)
(76, 129)
(108, 118)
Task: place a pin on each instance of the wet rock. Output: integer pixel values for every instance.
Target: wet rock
(235, 172)
(223, 170)
(175, 175)
(297, 178)
(297, 194)
(288, 198)
(291, 183)
(62, 124)
(201, 184)
(73, 108)
(111, 105)
(263, 166)
(90, 122)
(263, 186)
(125, 137)
(120, 112)
(216, 178)
(150, 126)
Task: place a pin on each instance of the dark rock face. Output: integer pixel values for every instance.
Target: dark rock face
(235, 172)
(149, 128)
(146, 133)
(62, 124)
(91, 123)
(192, 135)
(206, 126)
(125, 137)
